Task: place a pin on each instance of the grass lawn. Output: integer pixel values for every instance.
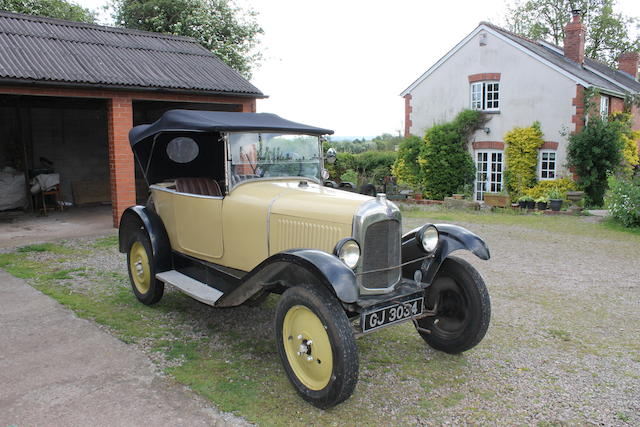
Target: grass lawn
(229, 355)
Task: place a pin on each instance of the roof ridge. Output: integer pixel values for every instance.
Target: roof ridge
(204, 52)
(496, 27)
(97, 27)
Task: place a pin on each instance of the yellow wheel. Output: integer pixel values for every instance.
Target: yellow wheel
(139, 267)
(142, 269)
(307, 346)
(316, 345)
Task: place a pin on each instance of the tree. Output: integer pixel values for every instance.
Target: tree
(226, 30)
(607, 31)
(50, 8)
(595, 152)
(439, 165)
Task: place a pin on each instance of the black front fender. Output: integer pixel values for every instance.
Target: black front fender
(451, 238)
(293, 267)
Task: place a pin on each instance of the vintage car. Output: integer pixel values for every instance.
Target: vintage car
(238, 211)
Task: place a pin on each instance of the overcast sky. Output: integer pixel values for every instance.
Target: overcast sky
(341, 64)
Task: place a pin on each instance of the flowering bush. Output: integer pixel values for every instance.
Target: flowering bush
(623, 200)
(522, 158)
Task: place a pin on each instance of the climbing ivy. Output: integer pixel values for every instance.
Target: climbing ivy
(522, 158)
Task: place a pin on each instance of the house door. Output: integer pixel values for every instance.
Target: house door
(489, 171)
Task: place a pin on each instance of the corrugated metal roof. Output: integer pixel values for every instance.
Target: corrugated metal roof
(37, 49)
(554, 55)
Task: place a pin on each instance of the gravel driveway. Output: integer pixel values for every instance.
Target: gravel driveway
(563, 345)
(562, 348)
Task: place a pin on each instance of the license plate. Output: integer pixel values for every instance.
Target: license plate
(392, 313)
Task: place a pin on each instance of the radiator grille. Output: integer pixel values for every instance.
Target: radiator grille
(381, 250)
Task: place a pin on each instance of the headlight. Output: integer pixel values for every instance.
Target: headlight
(428, 238)
(348, 250)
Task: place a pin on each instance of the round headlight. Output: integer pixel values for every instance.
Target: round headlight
(348, 250)
(428, 238)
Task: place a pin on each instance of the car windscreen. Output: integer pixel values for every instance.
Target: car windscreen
(272, 155)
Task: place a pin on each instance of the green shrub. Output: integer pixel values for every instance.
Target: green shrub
(595, 152)
(522, 158)
(543, 188)
(349, 176)
(623, 200)
(406, 168)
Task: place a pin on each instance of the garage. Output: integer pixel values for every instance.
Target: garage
(70, 92)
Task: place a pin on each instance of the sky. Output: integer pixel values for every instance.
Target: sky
(342, 64)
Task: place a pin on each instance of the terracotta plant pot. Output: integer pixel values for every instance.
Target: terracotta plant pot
(417, 196)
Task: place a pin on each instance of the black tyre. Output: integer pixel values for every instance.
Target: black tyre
(316, 345)
(142, 269)
(368, 190)
(463, 308)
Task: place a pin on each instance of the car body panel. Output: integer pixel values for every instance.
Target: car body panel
(271, 216)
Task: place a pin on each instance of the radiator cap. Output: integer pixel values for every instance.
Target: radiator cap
(381, 197)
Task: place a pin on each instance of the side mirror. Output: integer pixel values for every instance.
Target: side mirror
(331, 155)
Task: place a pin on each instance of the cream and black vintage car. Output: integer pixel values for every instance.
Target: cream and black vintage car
(238, 211)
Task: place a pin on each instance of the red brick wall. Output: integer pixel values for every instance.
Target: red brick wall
(248, 104)
(616, 104)
(408, 109)
(628, 62)
(121, 168)
(488, 145)
(483, 76)
(578, 102)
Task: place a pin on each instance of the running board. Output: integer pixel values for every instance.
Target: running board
(192, 287)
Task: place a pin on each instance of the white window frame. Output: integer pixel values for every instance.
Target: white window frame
(604, 107)
(485, 95)
(487, 187)
(553, 171)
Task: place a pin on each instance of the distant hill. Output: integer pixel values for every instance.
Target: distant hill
(350, 138)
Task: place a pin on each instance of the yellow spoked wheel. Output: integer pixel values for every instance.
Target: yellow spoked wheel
(316, 345)
(308, 348)
(139, 267)
(142, 269)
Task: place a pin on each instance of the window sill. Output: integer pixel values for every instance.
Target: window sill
(490, 111)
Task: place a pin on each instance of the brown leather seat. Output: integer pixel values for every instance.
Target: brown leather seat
(200, 185)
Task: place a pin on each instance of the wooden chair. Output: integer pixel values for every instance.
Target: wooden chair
(55, 192)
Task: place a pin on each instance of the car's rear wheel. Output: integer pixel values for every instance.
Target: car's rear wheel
(316, 345)
(142, 269)
(463, 308)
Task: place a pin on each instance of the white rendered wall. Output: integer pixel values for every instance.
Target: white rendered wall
(529, 91)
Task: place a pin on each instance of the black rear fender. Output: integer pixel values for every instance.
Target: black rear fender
(137, 217)
(451, 238)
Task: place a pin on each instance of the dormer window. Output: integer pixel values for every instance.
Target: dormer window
(485, 96)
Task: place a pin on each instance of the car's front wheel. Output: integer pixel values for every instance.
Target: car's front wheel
(142, 269)
(316, 345)
(463, 309)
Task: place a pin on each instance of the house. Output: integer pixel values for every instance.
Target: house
(517, 81)
(70, 92)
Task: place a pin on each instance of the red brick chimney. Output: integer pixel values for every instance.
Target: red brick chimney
(574, 34)
(628, 62)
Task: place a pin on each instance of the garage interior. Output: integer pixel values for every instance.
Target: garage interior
(69, 136)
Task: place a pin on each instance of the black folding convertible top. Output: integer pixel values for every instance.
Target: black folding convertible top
(220, 121)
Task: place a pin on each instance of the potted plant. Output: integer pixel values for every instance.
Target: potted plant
(525, 201)
(541, 203)
(555, 199)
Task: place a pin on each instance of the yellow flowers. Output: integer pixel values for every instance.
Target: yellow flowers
(522, 158)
